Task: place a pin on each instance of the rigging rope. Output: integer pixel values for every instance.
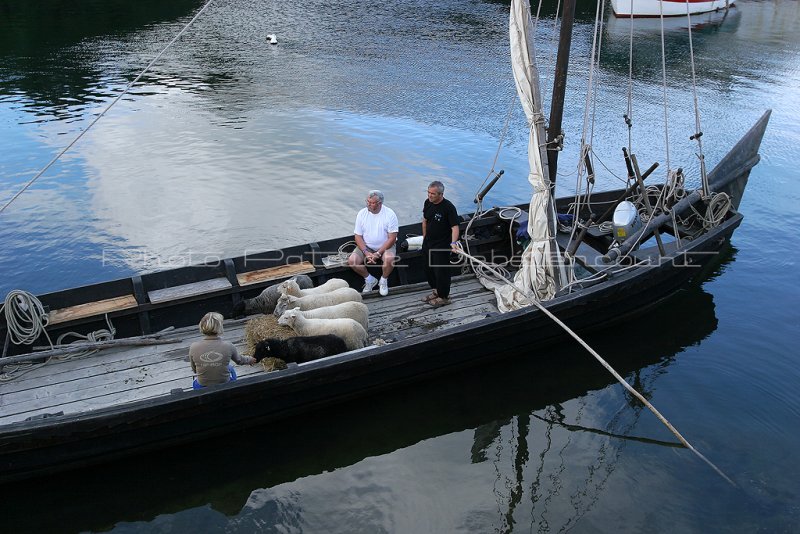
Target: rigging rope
(502, 140)
(698, 133)
(664, 84)
(629, 116)
(611, 370)
(102, 113)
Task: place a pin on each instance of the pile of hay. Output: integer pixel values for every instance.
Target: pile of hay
(273, 364)
(262, 327)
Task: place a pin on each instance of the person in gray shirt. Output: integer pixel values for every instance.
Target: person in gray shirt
(211, 356)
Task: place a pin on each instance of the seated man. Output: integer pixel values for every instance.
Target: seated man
(375, 236)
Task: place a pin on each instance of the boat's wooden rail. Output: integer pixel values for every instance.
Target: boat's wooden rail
(280, 272)
(150, 302)
(89, 309)
(158, 296)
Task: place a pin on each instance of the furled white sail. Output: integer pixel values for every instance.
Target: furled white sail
(538, 273)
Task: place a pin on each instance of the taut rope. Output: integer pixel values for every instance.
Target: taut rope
(607, 366)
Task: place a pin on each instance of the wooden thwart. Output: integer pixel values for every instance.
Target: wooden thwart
(188, 290)
(91, 308)
(275, 273)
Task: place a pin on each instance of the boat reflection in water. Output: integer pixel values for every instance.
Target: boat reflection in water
(701, 22)
(513, 407)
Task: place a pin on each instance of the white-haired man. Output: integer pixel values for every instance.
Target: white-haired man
(375, 236)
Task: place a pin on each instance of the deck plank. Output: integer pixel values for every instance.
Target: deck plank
(125, 374)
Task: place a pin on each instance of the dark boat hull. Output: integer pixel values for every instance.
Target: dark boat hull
(61, 442)
(38, 447)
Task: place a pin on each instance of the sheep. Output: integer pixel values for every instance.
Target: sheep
(290, 287)
(353, 334)
(357, 311)
(344, 294)
(266, 300)
(300, 349)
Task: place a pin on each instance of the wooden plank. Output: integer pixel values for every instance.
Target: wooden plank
(91, 368)
(275, 273)
(92, 308)
(112, 360)
(125, 374)
(399, 301)
(441, 318)
(158, 296)
(430, 328)
(145, 386)
(104, 386)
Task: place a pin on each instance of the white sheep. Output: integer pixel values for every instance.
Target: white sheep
(353, 334)
(357, 311)
(291, 287)
(310, 302)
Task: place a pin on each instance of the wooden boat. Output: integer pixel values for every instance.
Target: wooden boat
(667, 8)
(126, 399)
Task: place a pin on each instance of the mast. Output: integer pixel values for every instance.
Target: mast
(559, 89)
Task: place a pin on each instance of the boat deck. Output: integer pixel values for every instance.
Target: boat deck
(118, 375)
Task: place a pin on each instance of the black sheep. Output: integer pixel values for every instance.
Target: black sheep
(299, 349)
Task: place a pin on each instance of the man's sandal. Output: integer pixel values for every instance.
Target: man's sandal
(437, 302)
(429, 298)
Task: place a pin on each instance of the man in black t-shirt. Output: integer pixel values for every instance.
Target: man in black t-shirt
(440, 236)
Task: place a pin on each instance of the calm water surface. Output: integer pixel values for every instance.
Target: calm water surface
(231, 145)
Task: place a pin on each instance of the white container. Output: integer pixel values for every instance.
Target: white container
(626, 221)
(414, 243)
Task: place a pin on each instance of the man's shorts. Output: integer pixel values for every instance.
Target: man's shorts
(360, 253)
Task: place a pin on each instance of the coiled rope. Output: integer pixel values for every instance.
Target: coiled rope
(27, 321)
(92, 337)
(718, 206)
(25, 317)
(343, 252)
(608, 367)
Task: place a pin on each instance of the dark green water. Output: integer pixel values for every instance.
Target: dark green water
(230, 144)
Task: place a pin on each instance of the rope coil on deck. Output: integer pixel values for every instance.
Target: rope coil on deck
(25, 317)
(27, 321)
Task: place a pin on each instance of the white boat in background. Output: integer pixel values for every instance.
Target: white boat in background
(667, 8)
(618, 28)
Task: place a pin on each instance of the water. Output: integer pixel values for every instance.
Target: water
(231, 145)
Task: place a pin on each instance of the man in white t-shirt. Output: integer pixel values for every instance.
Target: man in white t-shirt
(375, 236)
